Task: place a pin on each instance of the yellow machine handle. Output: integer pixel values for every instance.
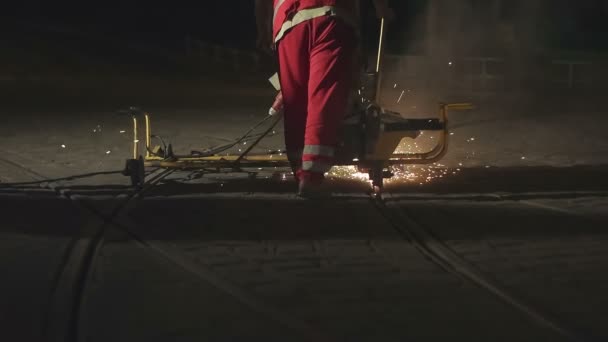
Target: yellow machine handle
(442, 145)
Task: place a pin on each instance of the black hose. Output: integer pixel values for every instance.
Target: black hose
(244, 138)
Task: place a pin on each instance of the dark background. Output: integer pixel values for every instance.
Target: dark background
(230, 23)
(91, 40)
(566, 23)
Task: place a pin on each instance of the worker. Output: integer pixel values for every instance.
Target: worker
(316, 44)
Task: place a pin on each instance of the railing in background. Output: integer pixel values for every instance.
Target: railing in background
(485, 74)
(574, 73)
(490, 75)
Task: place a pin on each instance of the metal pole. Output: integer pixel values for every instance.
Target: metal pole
(135, 138)
(148, 134)
(380, 60)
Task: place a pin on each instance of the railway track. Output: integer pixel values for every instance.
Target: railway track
(442, 255)
(69, 292)
(417, 234)
(68, 296)
(70, 282)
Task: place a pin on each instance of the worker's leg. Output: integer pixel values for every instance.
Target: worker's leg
(329, 86)
(293, 72)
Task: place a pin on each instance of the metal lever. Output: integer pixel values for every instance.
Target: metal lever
(380, 60)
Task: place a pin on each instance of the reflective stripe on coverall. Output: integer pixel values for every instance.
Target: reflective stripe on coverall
(316, 53)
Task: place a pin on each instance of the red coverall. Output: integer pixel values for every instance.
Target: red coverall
(316, 69)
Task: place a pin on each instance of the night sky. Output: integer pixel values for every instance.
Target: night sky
(204, 20)
(232, 22)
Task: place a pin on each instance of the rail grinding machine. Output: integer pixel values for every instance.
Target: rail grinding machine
(370, 135)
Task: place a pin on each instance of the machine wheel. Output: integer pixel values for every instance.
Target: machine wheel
(376, 175)
(135, 169)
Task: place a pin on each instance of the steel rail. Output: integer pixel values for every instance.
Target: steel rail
(442, 255)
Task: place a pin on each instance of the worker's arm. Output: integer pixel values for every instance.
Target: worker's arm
(383, 10)
(263, 17)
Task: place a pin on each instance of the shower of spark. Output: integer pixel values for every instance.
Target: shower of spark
(401, 174)
(414, 174)
(401, 96)
(419, 174)
(348, 172)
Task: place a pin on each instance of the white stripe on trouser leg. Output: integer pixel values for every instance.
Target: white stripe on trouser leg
(319, 150)
(316, 166)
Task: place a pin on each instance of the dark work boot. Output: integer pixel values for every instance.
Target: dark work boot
(312, 188)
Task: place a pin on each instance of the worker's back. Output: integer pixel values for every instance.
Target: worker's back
(286, 10)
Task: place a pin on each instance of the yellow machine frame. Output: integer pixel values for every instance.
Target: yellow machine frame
(385, 147)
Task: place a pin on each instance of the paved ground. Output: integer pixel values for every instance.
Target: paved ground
(202, 265)
(229, 257)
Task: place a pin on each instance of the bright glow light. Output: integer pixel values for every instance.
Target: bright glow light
(402, 174)
(400, 96)
(348, 172)
(413, 174)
